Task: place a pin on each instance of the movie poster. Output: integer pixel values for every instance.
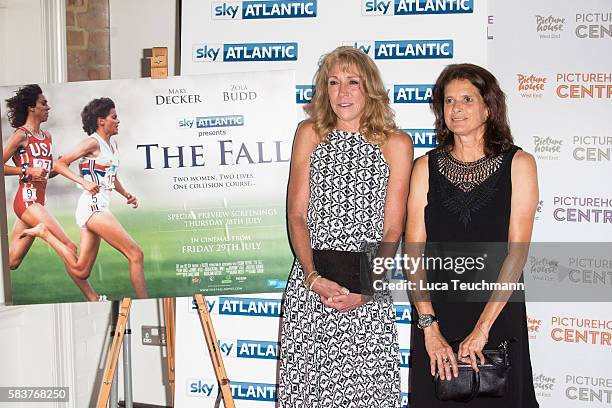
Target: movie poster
(207, 158)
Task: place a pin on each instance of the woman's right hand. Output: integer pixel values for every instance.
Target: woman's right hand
(36, 173)
(441, 356)
(327, 289)
(93, 188)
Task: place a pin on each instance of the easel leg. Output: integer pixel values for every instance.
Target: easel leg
(169, 304)
(215, 354)
(113, 355)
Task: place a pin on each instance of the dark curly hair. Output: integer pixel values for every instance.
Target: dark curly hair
(98, 108)
(17, 106)
(497, 138)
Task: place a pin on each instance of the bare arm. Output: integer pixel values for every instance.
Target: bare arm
(298, 195)
(62, 166)
(522, 212)
(17, 140)
(436, 345)
(131, 199)
(399, 154)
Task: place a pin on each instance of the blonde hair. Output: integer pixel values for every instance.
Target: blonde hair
(377, 121)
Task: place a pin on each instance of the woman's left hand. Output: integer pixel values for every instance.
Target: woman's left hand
(471, 347)
(131, 200)
(344, 303)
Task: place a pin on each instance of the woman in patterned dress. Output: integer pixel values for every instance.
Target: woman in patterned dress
(348, 184)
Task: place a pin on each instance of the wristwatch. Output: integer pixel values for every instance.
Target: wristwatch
(426, 320)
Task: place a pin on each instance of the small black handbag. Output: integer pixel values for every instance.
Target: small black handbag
(348, 269)
(490, 382)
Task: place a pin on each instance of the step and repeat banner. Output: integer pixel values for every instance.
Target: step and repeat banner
(209, 169)
(410, 41)
(554, 62)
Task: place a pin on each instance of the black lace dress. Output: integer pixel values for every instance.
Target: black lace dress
(470, 202)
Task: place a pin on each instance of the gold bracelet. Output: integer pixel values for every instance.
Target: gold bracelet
(309, 278)
(313, 281)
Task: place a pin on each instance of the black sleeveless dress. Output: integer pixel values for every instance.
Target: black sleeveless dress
(470, 202)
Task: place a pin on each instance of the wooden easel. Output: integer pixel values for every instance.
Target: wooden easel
(169, 309)
(113, 353)
(159, 69)
(169, 306)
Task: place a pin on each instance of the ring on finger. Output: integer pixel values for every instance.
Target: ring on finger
(446, 360)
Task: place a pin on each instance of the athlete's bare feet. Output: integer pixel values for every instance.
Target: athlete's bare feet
(38, 231)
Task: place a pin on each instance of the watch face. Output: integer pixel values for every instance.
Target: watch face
(426, 320)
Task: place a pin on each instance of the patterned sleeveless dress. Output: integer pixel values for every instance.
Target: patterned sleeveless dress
(327, 358)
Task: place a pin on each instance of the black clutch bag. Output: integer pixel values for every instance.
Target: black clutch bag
(490, 382)
(348, 269)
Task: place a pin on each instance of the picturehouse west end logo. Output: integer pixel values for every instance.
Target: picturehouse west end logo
(549, 26)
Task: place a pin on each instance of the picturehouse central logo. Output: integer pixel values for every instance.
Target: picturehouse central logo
(594, 25)
(533, 327)
(592, 148)
(544, 385)
(584, 85)
(530, 85)
(576, 209)
(549, 27)
(547, 148)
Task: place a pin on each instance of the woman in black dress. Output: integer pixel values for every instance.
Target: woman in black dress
(476, 187)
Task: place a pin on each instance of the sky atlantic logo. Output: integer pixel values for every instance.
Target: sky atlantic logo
(203, 122)
(398, 93)
(241, 306)
(303, 94)
(415, 7)
(260, 10)
(404, 49)
(199, 387)
(413, 93)
(266, 350)
(424, 138)
(246, 52)
(549, 27)
(403, 313)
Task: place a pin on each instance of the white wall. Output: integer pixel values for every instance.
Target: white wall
(136, 25)
(21, 52)
(28, 358)
(65, 345)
